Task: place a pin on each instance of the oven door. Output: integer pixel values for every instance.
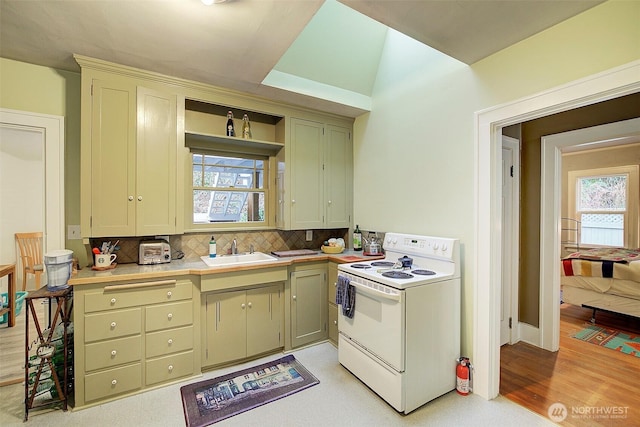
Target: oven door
(378, 324)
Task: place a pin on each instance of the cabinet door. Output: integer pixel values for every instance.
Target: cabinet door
(226, 327)
(113, 136)
(308, 306)
(156, 163)
(307, 198)
(338, 177)
(264, 311)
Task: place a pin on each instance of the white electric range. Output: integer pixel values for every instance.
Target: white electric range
(402, 337)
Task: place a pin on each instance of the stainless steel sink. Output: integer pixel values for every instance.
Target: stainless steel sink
(238, 259)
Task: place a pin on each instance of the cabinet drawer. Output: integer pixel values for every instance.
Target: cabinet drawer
(120, 296)
(169, 367)
(169, 315)
(112, 324)
(108, 354)
(170, 341)
(112, 382)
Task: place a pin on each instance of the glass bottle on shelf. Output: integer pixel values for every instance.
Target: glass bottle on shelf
(246, 127)
(230, 129)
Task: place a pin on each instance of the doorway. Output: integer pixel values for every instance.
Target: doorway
(487, 267)
(32, 194)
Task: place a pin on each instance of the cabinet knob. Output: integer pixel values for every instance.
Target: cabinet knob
(329, 201)
(335, 322)
(170, 341)
(113, 352)
(293, 200)
(131, 198)
(139, 198)
(169, 294)
(169, 316)
(113, 301)
(170, 368)
(294, 297)
(114, 382)
(113, 325)
(243, 306)
(335, 284)
(249, 305)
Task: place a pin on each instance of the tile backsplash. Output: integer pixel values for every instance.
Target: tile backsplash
(195, 245)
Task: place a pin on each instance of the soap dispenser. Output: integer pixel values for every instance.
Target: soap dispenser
(212, 247)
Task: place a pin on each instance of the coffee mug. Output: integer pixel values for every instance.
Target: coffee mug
(105, 260)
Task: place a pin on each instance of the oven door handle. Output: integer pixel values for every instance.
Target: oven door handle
(375, 293)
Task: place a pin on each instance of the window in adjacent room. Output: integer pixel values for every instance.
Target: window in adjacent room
(229, 189)
(605, 201)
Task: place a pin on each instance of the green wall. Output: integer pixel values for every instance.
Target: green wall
(414, 153)
(37, 89)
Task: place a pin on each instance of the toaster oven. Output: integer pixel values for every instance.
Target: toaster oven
(154, 252)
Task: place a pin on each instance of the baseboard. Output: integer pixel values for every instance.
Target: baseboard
(529, 334)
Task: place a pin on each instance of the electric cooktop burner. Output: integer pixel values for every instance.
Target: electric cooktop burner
(360, 266)
(382, 264)
(397, 275)
(424, 272)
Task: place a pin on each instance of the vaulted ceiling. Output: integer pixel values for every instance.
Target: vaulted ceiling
(317, 53)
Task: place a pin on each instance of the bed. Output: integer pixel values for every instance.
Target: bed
(602, 279)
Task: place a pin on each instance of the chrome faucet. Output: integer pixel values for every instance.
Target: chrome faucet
(234, 247)
(251, 250)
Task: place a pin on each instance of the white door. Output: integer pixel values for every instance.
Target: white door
(510, 211)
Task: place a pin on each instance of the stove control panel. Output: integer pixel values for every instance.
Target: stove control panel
(420, 245)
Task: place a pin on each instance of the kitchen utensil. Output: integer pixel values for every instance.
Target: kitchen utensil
(96, 251)
(406, 261)
(372, 245)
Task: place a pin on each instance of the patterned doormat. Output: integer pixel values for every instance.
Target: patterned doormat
(209, 401)
(610, 338)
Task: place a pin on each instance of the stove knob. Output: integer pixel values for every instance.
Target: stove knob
(435, 247)
(444, 247)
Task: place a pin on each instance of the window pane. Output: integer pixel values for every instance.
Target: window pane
(602, 193)
(228, 206)
(602, 229)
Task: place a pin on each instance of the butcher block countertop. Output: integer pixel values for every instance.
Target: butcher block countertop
(87, 276)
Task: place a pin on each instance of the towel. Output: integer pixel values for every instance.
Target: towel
(346, 296)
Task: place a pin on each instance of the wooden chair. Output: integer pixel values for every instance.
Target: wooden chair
(30, 245)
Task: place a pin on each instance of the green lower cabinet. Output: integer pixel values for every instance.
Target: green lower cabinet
(241, 324)
(308, 306)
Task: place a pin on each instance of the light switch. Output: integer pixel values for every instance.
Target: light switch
(73, 232)
(309, 235)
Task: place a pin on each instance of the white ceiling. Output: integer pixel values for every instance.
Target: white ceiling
(317, 53)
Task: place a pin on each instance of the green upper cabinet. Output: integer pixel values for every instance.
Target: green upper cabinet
(315, 177)
(129, 157)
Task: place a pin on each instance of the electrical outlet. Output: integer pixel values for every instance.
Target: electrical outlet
(309, 235)
(73, 232)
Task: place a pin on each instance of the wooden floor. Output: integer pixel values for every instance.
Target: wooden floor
(12, 343)
(582, 376)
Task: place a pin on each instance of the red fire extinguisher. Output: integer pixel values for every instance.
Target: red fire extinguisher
(463, 376)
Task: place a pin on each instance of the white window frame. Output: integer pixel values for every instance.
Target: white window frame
(631, 217)
(191, 226)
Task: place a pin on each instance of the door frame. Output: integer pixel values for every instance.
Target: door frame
(487, 268)
(52, 129)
